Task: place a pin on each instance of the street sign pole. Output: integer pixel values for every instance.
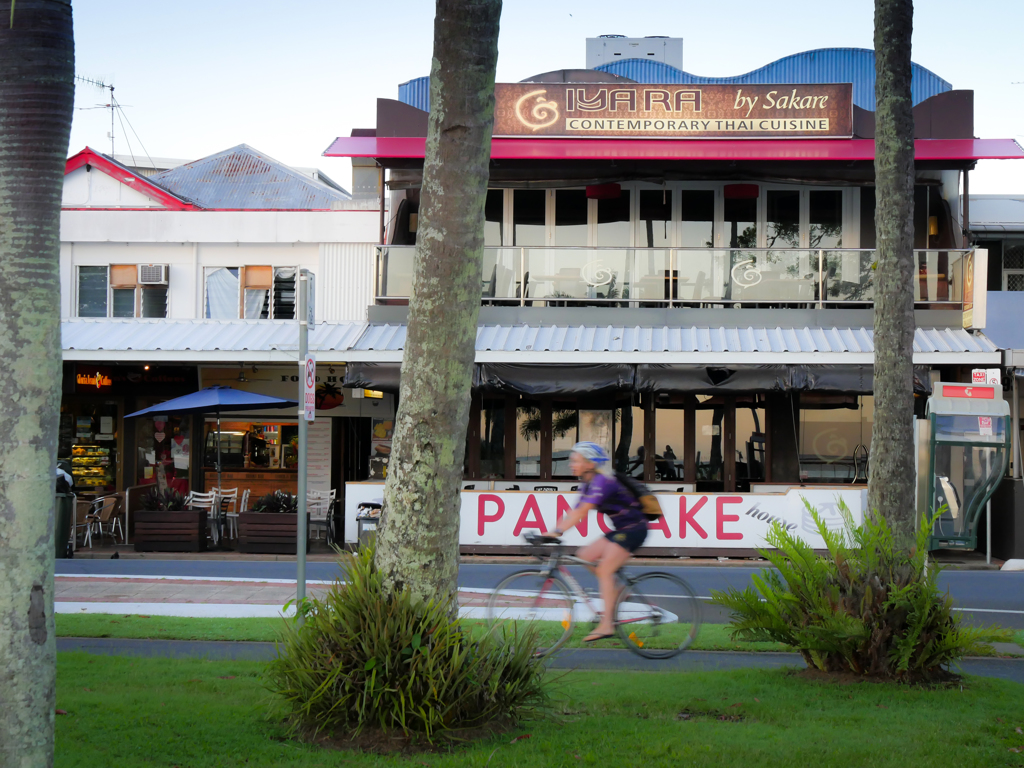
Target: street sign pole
(304, 412)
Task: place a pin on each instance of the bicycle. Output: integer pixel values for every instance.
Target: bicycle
(654, 630)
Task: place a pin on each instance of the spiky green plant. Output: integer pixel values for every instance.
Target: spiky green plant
(357, 659)
(868, 607)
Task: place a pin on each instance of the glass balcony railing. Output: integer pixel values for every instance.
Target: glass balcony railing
(539, 277)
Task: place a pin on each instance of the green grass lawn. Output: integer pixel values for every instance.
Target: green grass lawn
(713, 637)
(167, 712)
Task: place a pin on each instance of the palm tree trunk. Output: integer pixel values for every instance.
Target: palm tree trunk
(418, 541)
(892, 481)
(36, 100)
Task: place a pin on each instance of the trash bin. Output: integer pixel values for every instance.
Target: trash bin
(367, 531)
(63, 514)
(367, 517)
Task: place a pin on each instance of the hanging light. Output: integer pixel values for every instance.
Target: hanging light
(241, 372)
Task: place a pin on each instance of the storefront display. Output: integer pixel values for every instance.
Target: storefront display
(89, 438)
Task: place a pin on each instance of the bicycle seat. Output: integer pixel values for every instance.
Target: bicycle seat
(539, 540)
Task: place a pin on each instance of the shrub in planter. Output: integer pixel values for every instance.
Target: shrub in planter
(163, 501)
(868, 607)
(362, 660)
(277, 502)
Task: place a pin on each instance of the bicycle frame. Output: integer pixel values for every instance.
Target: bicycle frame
(558, 560)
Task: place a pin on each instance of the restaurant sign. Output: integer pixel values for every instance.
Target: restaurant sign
(689, 521)
(596, 110)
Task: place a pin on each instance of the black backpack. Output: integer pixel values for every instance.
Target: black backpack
(648, 503)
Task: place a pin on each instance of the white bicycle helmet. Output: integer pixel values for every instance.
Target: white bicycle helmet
(596, 454)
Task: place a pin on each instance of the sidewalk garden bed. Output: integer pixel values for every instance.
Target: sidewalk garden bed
(271, 527)
(170, 531)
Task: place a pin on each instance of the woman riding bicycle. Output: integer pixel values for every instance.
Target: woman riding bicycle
(590, 463)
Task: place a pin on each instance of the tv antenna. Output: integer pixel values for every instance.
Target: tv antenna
(116, 110)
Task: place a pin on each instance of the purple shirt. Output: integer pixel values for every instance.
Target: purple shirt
(615, 500)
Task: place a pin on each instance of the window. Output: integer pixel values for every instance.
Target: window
(698, 218)
(253, 293)
(571, 217)
(1013, 266)
(492, 439)
(494, 217)
(709, 429)
(529, 220)
(222, 293)
(826, 218)
(741, 222)
(655, 226)
(92, 291)
(835, 435)
(527, 440)
(782, 220)
(114, 291)
(629, 445)
(613, 221)
(669, 439)
(751, 444)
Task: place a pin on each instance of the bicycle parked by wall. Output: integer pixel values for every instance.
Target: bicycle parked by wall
(657, 614)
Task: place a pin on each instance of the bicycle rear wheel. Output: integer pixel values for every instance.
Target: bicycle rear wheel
(657, 615)
(537, 599)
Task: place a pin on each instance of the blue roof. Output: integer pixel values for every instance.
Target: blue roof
(824, 65)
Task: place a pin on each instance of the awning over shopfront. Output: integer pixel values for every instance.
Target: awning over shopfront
(201, 341)
(210, 341)
(813, 150)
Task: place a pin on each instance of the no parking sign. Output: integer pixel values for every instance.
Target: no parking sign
(309, 388)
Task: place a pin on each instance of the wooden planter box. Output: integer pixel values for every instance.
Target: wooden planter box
(267, 533)
(170, 531)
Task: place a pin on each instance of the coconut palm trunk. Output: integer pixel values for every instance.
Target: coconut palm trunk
(891, 481)
(418, 540)
(36, 100)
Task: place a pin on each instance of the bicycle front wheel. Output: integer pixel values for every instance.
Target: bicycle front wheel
(535, 599)
(657, 615)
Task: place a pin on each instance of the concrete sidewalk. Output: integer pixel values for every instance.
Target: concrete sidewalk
(197, 596)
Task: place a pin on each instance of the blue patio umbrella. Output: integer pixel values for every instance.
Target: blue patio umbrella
(215, 400)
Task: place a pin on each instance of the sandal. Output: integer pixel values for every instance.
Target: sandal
(593, 637)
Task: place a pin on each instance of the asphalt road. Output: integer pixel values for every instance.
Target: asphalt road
(985, 597)
(573, 658)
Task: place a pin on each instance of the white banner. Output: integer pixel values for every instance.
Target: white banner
(691, 520)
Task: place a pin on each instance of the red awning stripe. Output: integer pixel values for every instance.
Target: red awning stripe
(815, 150)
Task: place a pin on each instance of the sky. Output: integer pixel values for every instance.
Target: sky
(287, 78)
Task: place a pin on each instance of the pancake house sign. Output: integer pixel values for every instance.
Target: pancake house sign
(600, 110)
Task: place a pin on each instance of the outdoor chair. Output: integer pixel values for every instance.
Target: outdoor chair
(227, 505)
(319, 504)
(102, 517)
(232, 516)
(82, 523)
(209, 502)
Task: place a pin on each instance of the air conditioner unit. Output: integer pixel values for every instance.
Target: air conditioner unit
(153, 274)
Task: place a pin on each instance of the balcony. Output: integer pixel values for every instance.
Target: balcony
(681, 277)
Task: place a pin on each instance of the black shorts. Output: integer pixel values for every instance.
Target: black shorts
(629, 539)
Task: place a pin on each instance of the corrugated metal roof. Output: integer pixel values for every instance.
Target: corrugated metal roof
(243, 178)
(824, 65)
(203, 337)
(583, 338)
(276, 340)
(416, 93)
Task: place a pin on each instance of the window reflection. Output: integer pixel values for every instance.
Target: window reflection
(655, 230)
(741, 222)
(751, 445)
(698, 218)
(826, 218)
(613, 221)
(494, 217)
(492, 439)
(710, 418)
(835, 435)
(571, 217)
(783, 219)
(528, 217)
(528, 441)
